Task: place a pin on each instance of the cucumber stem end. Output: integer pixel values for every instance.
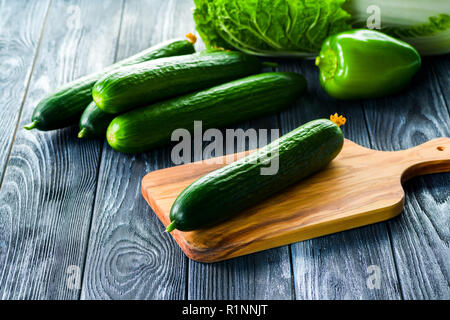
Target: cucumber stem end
(31, 125)
(171, 227)
(82, 133)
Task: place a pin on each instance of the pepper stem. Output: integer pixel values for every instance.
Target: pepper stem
(171, 227)
(82, 133)
(191, 37)
(317, 61)
(327, 62)
(31, 125)
(339, 120)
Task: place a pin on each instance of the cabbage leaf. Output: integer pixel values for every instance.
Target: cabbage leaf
(423, 24)
(269, 27)
(297, 28)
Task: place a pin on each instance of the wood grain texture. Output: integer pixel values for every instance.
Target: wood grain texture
(421, 236)
(320, 271)
(21, 24)
(440, 73)
(129, 255)
(262, 275)
(49, 186)
(170, 276)
(47, 196)
(363, 186)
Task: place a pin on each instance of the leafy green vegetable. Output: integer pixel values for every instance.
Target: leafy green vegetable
(298, 27)
(423, 24)
(269, 27)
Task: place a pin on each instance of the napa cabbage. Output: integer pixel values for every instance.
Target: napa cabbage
(297, 28)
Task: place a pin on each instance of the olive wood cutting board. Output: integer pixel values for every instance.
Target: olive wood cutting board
(361, 186)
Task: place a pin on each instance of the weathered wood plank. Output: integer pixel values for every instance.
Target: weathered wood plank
(50, 183)
(440, 69)
(421, 235)
(336, 266)
(48, 191)
(129, 255)
(153, 259)
(262, 275)
(21, 24)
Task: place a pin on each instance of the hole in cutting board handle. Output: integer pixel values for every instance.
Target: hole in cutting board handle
(440, 148)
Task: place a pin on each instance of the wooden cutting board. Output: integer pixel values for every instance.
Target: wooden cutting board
(361, 186)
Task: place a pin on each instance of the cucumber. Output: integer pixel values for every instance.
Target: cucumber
(151, 126)
(145, 83)
(225, 192)
(63, 107)
(94, 122)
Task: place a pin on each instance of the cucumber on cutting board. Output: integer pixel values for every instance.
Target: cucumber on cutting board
(63, 107)
(139, 85)
(94, 122)
(225, 192)
(238, 100)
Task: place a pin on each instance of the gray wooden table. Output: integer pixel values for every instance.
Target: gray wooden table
(73, 223)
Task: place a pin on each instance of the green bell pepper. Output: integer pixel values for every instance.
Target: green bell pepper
(364, 63)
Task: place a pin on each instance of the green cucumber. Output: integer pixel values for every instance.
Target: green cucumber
(238, 100)
(225, 192)
(63, 107)
(143, 84)
(94, 122)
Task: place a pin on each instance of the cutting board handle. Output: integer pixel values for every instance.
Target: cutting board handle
(430, 157)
